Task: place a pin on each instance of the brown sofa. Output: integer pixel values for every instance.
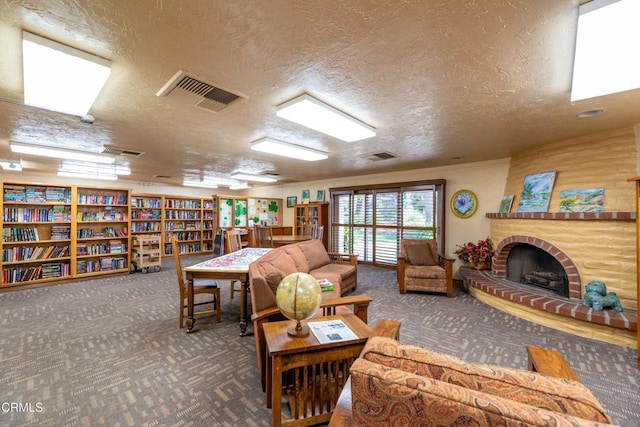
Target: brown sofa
(310, 256)
(266, 273)
(393, 384)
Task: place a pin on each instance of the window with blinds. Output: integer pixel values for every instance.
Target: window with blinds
(370, 222)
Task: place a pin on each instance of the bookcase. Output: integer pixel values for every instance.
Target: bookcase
(36, 233)
(183, 218)
(315, 214)
(146, 214)
(102, 238)
(208, 224)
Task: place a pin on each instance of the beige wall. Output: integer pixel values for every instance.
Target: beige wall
(601, 250)
(485, 179)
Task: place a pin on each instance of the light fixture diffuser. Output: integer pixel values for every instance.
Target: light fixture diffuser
(94, 167)
(11, 165)
(60, 153)
(201, 184)
(606, 57)
(89, 175)
(60, 78)
(280, 148)
(253, 177)
(312, 113)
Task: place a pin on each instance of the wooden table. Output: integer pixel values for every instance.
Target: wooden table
(288, 239)
(317, 372)
(233, 266)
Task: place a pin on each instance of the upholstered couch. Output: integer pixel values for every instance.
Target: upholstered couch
(310, 256)
(396, 384)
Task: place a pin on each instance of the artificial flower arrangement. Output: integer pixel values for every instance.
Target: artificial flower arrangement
(476, 254)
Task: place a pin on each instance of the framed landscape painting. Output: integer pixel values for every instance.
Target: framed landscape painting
(505, 204)
(536, 192)
(591, 200)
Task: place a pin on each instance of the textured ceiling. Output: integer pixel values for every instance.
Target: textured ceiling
(476, 80)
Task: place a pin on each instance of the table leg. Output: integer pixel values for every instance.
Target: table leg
(191, 320)
(243, 307)
(276, 392)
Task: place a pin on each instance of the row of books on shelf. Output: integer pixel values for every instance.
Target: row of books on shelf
(145, 226)
(31, 253)
(20, 234)
(181, 214)
(42, 271)
(183, 235)
(36, 194)
(142, 202)
(171, 226)
(103, 264)
(87, 233)
(184, 248)
(54, 214)
(98, 199)
(146, 214)
(181, 204)
(109, 214)
(112, 247)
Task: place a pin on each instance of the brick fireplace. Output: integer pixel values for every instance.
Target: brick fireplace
(586, 246)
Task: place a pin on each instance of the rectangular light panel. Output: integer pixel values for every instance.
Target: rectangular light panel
(280, 148)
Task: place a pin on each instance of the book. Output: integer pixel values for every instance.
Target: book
(325, 285)
(331, 331)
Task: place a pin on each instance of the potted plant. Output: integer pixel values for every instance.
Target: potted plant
(476, 255)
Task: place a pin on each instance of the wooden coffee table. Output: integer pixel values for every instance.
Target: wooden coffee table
(315, 373)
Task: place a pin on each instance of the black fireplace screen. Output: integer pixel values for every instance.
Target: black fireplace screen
(533, 266)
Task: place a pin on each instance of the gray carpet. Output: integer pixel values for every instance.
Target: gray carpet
(109, 352)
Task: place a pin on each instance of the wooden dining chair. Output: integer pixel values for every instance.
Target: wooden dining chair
(264, 236)
(319, 232)
(233, 243)
(309, 230)
(199, 287)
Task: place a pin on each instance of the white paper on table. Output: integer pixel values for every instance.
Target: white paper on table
(331, 331)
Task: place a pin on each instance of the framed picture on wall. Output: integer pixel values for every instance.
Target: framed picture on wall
(536, 192)
(320, 196)
(505, 204)
(291, 201)
(464, 203)
(306, 194)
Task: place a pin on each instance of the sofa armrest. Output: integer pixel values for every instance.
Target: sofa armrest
(360, 305)
(400, 273)
(341, 258)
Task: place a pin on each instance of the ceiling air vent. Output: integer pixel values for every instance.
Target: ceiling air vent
(110, 149)
(376, 157)
(195, 91)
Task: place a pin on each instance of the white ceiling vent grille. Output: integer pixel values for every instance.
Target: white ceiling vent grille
(110, 149)
(195, 91)
(376, 157)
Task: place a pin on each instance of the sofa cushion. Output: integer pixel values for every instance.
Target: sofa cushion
(421, 255)
(558, 395)
(298, 257)
(384, 396)
(425, 272)
(335, 273)
(272, 276)
(283, 262)
(315, 253)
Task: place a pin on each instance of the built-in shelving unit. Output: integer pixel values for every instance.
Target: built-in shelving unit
(313, 214)
(208, 224)
(102, 228)
(36, 233)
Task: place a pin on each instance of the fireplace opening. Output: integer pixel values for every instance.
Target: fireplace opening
(533, 266)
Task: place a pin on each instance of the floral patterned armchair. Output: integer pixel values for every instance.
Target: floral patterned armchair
(422, 268)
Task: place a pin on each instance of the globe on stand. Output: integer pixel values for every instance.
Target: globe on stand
(298, 297)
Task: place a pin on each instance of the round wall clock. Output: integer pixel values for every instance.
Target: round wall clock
(464, 203)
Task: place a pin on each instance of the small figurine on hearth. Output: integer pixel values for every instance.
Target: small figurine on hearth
(596, 296)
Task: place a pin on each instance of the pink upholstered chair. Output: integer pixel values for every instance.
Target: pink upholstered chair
(422, 268)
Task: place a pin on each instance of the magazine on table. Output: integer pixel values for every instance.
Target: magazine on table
(331, 331)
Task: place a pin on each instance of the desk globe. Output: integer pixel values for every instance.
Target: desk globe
(298, 297)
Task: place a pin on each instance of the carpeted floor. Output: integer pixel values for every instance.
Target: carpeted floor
(109, 352)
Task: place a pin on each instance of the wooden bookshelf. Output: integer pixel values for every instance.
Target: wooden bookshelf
(102, 231)
(36, 233)
(208, 224)
(182, 217)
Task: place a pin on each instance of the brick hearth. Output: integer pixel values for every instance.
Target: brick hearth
(541, 299)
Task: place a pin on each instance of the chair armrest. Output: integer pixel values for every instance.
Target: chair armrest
(400, 273)
(264, 314)
(386, 328)
(360, 305)
(341, 258)
(447, 264)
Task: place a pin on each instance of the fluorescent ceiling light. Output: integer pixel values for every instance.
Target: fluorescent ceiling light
(308, 111)
(94, 167)
(60, 78)
(280, 148)
(89, 175)
(241, 186)
(252, 177)
(11, 165)
(202, 184)
(60, 153)
(607, 44)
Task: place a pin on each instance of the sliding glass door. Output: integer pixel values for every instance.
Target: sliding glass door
(370, 222)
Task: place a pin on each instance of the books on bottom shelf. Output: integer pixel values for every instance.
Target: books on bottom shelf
(331, 331)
